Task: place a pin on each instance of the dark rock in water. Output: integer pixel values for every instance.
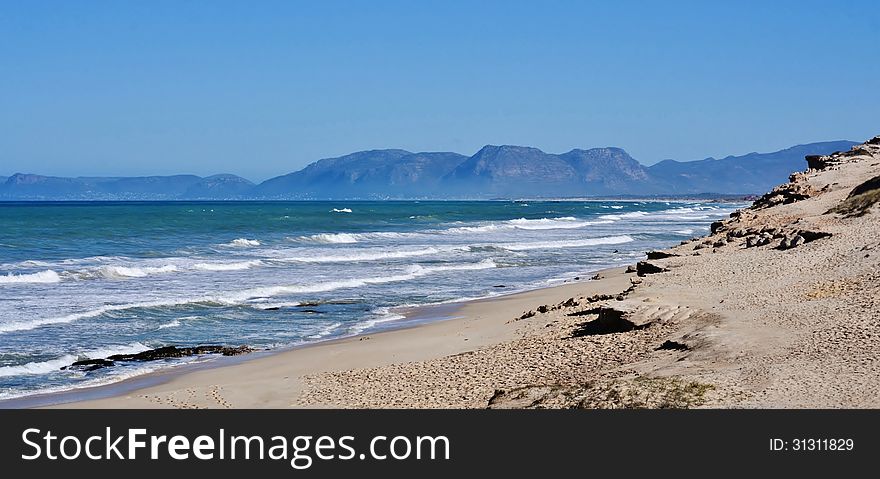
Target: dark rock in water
(90, 365)
(167, 352)
(660, 255)
(499, 286)
(644, 268)
(669, 345)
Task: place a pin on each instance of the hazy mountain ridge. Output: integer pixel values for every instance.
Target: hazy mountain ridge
(37, 187)
(494, 171)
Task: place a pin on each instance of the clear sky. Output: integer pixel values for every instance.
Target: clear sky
(263, 88)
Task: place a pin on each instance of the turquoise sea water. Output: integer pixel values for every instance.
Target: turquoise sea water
(87, 280)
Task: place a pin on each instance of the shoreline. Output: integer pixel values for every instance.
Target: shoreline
(776, 308)
(418, 321)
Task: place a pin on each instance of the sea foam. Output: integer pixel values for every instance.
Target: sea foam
(243, 243)
(525, 246)
(47, 276)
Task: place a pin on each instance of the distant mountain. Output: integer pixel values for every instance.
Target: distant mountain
(523, 171)
(37, 187)
(503, 171)
(751, 173)
(219, 186)
(374, 173)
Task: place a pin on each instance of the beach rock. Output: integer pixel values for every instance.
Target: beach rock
(818, 162)
(610, 320)
(631, 269)
(167, 352)
(716, 226)
(785, 194)
(644, 268)
(785, 243)
(660, 255)
(87, 365)
(670, 345)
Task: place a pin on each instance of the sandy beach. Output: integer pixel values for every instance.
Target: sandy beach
(779, 307)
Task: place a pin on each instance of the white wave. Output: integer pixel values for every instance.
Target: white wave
(380, 315)
(343, 210)
(243, 243)
(472, 229)
(237, 298)
(607, 240)
(616, 207)
(567, 222)
(54, 365)
(420, 270)
(172, 324)
(270, 306)
(631, 214)
(687, 231)
(115, 376)
(48, 276)
(92, 313)
(39, 367)
(237, 266)
(135, 272)
(325, 331)
(332, 238)
(412, 272)
(357, 256)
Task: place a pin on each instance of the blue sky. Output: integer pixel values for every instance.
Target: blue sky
(263, 88)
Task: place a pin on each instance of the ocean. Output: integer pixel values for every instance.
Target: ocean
(88, 280)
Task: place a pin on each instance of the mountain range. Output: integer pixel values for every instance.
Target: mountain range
(493, 172)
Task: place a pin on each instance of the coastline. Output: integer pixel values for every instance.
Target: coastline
(778, 307)
(420, 335)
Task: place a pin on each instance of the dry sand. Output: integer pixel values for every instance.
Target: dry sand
(740, 326)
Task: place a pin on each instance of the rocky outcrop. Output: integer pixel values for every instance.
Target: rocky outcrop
(660, 255)
(167, 352)
(644, 268)
(785, 194)
(610, 320)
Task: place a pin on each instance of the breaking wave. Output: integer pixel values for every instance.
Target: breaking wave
(47, 276)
